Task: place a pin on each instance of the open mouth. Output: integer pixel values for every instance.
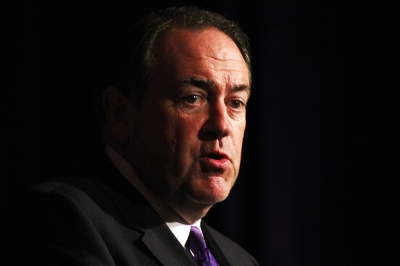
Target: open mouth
(215, 162)
(217, 156)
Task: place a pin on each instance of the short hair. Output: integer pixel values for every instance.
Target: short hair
(131, 71)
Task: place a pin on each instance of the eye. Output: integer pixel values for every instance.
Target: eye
(237, 104)
(192, 99)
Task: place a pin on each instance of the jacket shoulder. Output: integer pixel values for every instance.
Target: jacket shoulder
(60, 223)
(235, 254)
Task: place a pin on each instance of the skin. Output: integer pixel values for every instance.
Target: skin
(185, 140)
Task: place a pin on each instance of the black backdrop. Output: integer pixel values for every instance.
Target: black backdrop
(320, 170)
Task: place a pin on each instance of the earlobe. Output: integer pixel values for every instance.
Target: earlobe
(117, 115)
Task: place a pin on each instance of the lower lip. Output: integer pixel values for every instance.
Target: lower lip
(218, 164)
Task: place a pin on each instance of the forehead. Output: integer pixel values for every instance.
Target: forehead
(203, 50)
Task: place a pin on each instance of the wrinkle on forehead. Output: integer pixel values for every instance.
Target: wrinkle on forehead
(208, 51)
(235, 63)
(218, 43)
(219, 64)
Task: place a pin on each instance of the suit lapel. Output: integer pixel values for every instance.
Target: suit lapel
(224, 250)
(164, 245)
(156, 235)
(216, 249)
(137, 214)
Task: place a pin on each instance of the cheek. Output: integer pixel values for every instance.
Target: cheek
(187, 128)
(238, 142)
(181, 136)
(238, 134)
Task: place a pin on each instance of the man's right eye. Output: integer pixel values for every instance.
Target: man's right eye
(193, 98)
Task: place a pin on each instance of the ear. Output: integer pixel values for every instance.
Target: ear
(120, 113)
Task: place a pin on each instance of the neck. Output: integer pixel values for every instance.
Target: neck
(189, 210)
(178, 209)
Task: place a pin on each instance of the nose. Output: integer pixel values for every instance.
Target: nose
(218, 123)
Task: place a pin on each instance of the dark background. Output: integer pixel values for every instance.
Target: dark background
(320, 175)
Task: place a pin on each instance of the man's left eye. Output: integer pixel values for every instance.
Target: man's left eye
(237, 104)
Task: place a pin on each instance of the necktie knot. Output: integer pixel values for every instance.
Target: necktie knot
(197, 245)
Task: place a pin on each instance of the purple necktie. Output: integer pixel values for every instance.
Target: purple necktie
(197, 245)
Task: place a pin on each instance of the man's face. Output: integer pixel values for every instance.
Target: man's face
(186, 137)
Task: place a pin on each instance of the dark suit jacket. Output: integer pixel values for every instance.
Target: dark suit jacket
(100, 220)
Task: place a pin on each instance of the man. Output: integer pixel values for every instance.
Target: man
(174, 124)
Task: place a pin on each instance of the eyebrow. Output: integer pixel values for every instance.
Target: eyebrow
(206, 83)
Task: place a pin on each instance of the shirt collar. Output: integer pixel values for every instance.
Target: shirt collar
(181, 231)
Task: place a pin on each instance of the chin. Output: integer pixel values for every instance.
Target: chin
(208, 197)
(208, 191)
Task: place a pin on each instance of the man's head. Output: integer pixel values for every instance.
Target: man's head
(131, 71)
(184, 137)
